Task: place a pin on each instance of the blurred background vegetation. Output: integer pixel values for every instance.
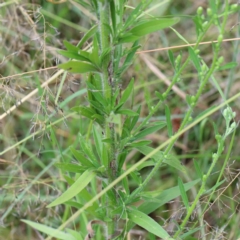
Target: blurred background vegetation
(30, 34)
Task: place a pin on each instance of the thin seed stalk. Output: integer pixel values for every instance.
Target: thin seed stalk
(185, 120)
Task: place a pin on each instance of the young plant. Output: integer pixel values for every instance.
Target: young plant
(99, 181)
(105, 62)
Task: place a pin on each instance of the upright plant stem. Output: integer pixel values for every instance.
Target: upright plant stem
(107, 89)
(104, 44)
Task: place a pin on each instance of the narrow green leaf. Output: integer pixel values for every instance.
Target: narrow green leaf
(107, 140)
(98, 141)
(94, 55)
(78, 67)
(91, 78)
(148, 163)
(194, 58)
(74, 204)
(73, 55)
(156, 8)
(121, 159)
(123, 195)
(147, 223)
(149, 26)
(125, 185)
(180, 36)
(198, 25)
(79, 156)
(114, 98)
(113, 16)
(70, 167)
(173, 161)
(140, 143)
(159, 96)
(165, 196)
(87, 35)
(80, 108)
(135, 119)
(171, 58)
(75, 234)
(126, 128)
(92, 209)
(127, 112)
(69, 180)
(87, 149)
(169, 159)
(89, 113)
(84, 54)
(229, 65)
(73, 190)
(183, 193)
(213, 189)
(133, 15)
(110, 193)
(189, 100)
(152, 194)
(118, 211)
(49, 231)
(99, 119)
(169, 122)
(150, 130)
(105, 54)
(70, 47)
(108, 27)
(53, 137)
(97, 94)
(149, 199)
(127, 38)
(190, 233)
(127, 93)
(198, 169)
(72, 96)
(98, 107)
(136, 177)
(128, 60)
(214, 6)
(105, 160)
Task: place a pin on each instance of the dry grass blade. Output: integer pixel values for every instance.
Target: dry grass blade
(186, 45)
(35, 91)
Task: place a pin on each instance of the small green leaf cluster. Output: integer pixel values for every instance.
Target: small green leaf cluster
(229, 116)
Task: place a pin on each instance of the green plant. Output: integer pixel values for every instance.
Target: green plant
(114, 129)
(105, 62)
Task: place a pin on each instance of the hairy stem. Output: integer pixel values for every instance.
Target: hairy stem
(108, 89)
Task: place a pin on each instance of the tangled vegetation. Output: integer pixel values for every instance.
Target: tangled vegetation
(119, 120)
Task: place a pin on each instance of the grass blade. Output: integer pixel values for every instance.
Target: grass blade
(76, 188)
